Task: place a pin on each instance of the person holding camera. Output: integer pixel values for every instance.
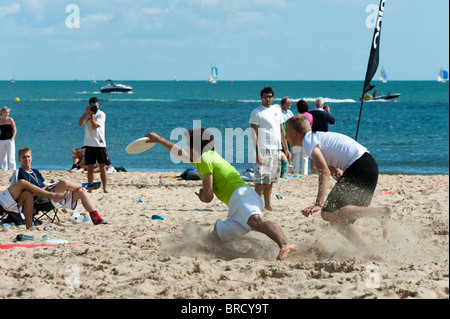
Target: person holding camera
(94, 140)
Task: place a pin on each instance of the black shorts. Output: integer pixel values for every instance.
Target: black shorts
(356, 186)
(94, 155)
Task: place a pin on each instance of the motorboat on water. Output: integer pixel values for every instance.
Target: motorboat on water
(381, 98)
(115, 87)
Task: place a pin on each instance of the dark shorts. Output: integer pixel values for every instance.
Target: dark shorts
(356, 186)
(94, 155)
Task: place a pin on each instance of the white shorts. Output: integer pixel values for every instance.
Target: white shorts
(66, 203)
(269, 172)
(243, 204)
(8, 202)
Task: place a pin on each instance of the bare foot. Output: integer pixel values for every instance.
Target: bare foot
(105, 191)
(384, 220)
(57, 197)
(285, 250)
(268, 208)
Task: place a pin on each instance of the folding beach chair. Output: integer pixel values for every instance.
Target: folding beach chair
(3, 215)
(11, 217)
(44, 207)
(41, 205)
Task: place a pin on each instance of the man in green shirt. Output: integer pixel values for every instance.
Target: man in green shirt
(220, 178)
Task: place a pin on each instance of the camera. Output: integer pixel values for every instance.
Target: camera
(93, 108)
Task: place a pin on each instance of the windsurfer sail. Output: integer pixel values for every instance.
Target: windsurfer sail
(383, 76)
(213, 76)
(443, 76)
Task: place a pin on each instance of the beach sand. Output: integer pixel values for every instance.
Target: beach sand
(138, 257)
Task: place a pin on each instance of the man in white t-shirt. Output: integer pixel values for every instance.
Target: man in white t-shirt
(94, 140)
(268, 138)
(356, 172)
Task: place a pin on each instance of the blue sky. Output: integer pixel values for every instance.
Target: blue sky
(245, 39)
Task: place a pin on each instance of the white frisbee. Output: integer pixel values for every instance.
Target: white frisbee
(139, 146)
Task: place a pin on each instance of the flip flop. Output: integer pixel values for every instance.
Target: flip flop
(89, 186)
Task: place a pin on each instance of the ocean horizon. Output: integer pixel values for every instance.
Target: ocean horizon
(408, 136)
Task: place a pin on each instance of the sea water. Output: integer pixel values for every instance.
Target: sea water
(408, 136)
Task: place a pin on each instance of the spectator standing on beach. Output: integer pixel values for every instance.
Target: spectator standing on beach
(286, 113)
(285, 108)
(300, 157)
(268, 138)
(94, 140)
(8, 132)
(352, 194)
(321, 116)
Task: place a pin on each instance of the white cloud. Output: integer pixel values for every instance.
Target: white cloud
(9, 10)
(82, 47)
(244, 19)
(93, 20)
(207, 3)
(154, 11)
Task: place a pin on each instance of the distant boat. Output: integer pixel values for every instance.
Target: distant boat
(443, 76)
(213, 76)
(382, 98)
(383, 76)
(93, 79)
(113, 87)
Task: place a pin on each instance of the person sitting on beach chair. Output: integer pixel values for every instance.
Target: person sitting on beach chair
(220, 178)
(78, 192)
(18, 199)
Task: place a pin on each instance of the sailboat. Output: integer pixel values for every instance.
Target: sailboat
(443, 76)
(383, 76)
(93, 79)
(213, 76)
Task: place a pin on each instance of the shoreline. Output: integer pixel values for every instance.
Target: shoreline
(138, 257)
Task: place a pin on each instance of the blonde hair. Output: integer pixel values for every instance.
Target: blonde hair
(299, 123)
(23, 150)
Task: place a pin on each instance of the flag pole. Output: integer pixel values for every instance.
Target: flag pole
(373, 59)
(360, 113)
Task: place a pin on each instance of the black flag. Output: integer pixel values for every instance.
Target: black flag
(373, 59)
(375, 50)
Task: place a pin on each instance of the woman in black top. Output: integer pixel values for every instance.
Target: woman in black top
(8, 132)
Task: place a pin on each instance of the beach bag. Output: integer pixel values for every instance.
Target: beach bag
(248, 175)
(190, 174)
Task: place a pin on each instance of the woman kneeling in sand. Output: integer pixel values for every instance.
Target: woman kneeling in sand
(220, 178)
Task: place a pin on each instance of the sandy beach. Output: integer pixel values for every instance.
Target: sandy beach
(136, 256)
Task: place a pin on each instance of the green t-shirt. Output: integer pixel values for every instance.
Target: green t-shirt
(225, 177)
